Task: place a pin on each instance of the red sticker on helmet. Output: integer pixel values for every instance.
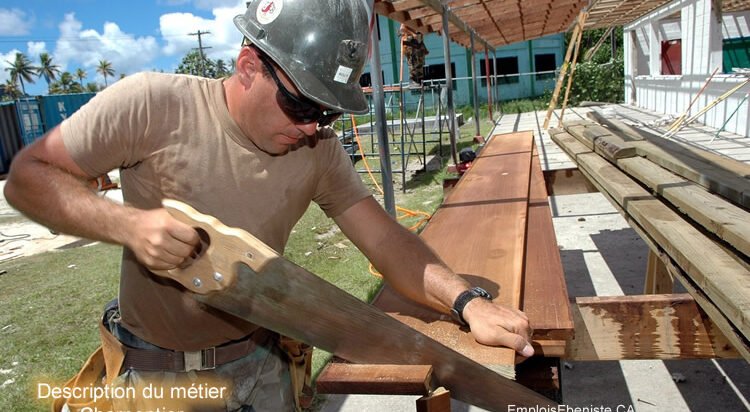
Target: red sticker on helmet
(268, 10)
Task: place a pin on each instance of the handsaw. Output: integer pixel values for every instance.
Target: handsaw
(240, 275)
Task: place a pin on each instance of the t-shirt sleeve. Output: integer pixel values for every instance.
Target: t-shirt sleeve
(339, 186)
(108, 132)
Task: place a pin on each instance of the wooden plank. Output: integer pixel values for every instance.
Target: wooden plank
(739, 342)
(613, 147)
(479, 232)
(718, 174)
(577, 129)
(645, 327)
(678, 159)
(725, 281)
(489, 206)
(438, 401)
(601, 140)
(570, 145)
(545, 293)
(375, 379)
(729, 222)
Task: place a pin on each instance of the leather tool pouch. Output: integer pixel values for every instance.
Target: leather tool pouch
(300, 369)
(100, 369)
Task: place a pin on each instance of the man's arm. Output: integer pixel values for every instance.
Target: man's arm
(414, 270)
(48, 186)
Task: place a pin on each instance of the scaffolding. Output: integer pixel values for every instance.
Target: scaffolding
(416, 121)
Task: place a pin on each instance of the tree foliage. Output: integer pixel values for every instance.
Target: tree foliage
(206, 67)
(21, 69)
(47, 70)
(105, 69)
(602, 78)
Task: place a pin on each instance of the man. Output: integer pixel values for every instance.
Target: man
(251, 150)
(415, 52)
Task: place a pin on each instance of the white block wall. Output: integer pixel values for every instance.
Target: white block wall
(701, 35)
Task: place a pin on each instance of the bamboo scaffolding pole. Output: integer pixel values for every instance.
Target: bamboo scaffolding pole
(707, 108)
(592, 51)
(572, 69)
(684, 115)
(563, 71)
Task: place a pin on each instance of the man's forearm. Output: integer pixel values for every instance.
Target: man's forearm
(64, 202)
(414, 270)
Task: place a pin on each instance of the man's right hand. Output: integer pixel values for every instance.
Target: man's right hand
(159, 241)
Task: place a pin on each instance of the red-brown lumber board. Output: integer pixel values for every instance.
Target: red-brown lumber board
(479, 232)
(545, 296)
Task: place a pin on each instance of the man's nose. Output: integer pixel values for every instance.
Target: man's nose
(307, 128)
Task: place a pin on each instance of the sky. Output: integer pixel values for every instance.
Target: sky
(134, 35)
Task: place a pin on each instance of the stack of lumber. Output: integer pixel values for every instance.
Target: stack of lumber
(495, 229)
(689, 205)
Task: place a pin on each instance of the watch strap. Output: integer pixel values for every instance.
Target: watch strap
(457, 312)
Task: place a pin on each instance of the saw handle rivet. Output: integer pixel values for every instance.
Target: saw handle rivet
(249, 255)
(197, 282)
(218, 277)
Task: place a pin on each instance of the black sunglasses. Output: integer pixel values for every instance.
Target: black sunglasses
(298, 108)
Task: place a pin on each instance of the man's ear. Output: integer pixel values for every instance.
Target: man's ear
(248, 65)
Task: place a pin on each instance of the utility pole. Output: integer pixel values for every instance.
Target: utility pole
(200, 49)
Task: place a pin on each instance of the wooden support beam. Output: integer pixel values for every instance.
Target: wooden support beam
(376, 379)
(645, 327)
(720, 217)
(718, 282)
(438, 401)
(658, 279)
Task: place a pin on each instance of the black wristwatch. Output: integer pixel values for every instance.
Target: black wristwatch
(457, 312)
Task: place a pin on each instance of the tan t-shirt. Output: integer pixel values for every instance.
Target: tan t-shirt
(172, 137)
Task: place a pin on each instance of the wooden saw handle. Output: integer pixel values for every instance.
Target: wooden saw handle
(222, 248)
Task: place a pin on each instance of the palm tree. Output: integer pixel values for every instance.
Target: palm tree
(80, 74)
(66, 82)
(20, 70)
(105, 69)
(221, 68)
(47, 69)
(11, 89)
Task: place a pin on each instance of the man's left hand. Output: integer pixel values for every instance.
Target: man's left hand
(497, 325)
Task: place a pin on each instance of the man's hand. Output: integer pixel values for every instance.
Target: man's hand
(498, 325)
(159, 241)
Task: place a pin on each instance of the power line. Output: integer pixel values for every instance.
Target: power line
(200, 49)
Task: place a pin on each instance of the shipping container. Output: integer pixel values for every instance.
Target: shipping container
(58, 107)
(10, 135)
(29, 119)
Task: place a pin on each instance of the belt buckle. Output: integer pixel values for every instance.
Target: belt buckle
(200, 360)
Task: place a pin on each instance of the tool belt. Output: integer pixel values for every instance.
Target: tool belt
(112, 357)
(166, 360)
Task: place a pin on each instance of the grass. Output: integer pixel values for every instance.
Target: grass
(50, 303)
